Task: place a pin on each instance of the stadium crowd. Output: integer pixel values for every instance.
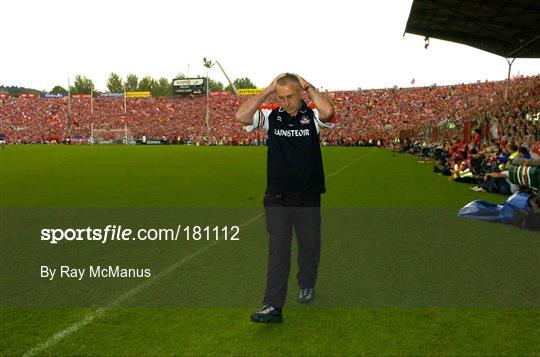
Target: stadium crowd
(472, 132)
(363, 117)
(495, 140)
(441, 115)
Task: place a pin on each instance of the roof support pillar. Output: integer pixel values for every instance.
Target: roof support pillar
(508, 78)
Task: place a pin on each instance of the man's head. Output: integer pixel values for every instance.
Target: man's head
(522, 151)
(289, 93)
(512, 147)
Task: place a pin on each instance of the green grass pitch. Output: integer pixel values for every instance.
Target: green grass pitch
(400, 273)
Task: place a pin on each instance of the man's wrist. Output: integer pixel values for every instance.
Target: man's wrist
(268, 91)
(307, 86)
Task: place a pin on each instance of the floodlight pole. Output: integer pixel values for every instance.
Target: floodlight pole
(69, 113)
(207, 118)
(92, 99)
(228, 79)
(210, 64)
(508, 78)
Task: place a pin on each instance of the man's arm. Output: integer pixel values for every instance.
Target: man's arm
(324, 106)
(495, 175)
(247, 110)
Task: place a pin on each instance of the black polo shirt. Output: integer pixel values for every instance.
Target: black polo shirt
(294, 161)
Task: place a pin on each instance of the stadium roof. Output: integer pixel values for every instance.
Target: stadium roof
(508, 28)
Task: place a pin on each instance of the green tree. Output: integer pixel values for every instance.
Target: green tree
(215, 85)
(180, 76)
(241, 83)
(147, 84)
(59, 90)
(14, 90)
(82, 85)
(162, 87)
(132, 82)
(115, 84)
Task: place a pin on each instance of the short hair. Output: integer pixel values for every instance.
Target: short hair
(523, 150)
(288, 78)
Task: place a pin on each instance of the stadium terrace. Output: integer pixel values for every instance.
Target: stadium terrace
(379, 115)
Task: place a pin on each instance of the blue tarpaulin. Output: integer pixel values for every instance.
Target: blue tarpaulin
(485, 211)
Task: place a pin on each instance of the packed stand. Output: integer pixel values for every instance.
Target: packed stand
(364, 117)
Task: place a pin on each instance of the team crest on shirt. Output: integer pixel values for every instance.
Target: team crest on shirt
(304, 120)
(279, 118)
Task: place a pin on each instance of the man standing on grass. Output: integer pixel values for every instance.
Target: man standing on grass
(295, 181)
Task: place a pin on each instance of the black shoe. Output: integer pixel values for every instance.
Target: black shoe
(267, 313)
(306, 295)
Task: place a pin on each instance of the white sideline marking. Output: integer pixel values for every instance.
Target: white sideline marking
(88, 318)
(115, 303)
(349, 164)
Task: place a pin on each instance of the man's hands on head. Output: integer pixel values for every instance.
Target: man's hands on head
(303, 82)
(246, 111)
(322, 103)
(271, 89)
